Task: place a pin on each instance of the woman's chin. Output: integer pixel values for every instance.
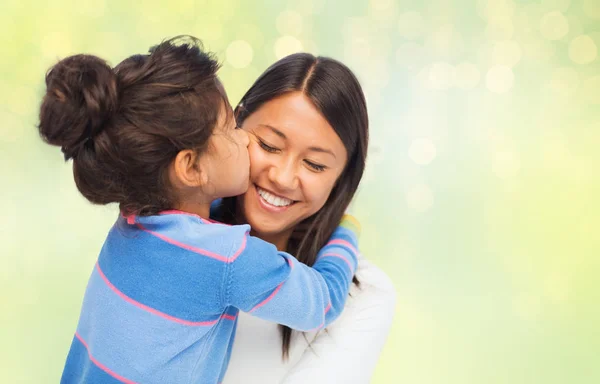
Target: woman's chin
(265, 226)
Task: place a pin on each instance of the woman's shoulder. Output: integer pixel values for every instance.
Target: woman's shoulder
(374, 298)
(374, 280)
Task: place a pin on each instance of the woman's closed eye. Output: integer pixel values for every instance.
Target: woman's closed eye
(314, 166)
(267, 147)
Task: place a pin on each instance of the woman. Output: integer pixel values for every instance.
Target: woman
(308, 124)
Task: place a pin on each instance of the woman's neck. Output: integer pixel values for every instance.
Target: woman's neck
(280, 240)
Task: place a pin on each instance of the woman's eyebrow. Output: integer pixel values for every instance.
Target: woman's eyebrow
(322, 150)
(275, 130)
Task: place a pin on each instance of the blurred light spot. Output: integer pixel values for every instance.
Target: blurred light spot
(422, 151)
(410, 25)
(409, 55)
(417, 321)
(289, 23)
(582, 50)
(554, 26)
(355, 27)
(557, 286)
(592, 9)
(556, 5)
(383, 11)
(575, 28)
(104, 44)
(511, 186)
(11, 130)
(533, 12)
(419, 198)
(383, 47)
(29, 295)
(591, 90)
(369, 174)
(500, 30)
(252, 34)
(358, 49)
(495, 10)
(286, 45)
(499, 79)
(564, 81)
(419, 120)
(527, 19)
(151, 17)
(496, 136)
(181, 9)
(506, 164)
(555, 151)
(221, 10)
(595, 36)
(484, 53)
(376, 152)
(23, 100)
(210, 30)
(93, 8)
(311, 47)
(441, 76)
(56, 45)
(308, 7)
(527, 306)
(422, 78)
(445, 41)
(407, 250)
(12, 269)
(381, 5)
(581, 171)
(239, 54)
(372, 97)
(537, 49)
(379, 74)
(506, 53)
(466, 76)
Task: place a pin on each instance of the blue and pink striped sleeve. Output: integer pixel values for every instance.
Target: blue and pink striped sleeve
(275, 286)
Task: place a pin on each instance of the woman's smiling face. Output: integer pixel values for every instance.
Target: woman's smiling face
(295, 160)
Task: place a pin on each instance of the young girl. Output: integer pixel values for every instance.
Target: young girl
(157, 135)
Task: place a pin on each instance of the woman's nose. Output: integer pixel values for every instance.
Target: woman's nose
(283, 175)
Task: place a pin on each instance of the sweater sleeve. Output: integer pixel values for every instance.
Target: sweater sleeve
(350, 349)
(274, 286)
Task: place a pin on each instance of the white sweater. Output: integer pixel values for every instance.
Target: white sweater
(347, 352)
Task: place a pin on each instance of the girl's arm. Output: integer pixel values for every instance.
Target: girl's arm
(348, 350)
(274, 286)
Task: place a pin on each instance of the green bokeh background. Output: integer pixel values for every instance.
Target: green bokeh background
(480, 199)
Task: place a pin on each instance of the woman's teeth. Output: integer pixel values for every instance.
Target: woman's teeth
(273, 199)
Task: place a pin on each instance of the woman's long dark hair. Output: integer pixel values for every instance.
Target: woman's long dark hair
(338, 96)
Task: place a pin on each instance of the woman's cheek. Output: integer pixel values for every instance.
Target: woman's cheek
(257, 161)
(318, 190)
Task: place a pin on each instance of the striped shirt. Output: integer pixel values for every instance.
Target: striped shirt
(162, 301)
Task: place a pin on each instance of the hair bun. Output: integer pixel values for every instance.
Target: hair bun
(81, 96)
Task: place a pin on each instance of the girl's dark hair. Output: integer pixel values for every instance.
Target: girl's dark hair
(337, 94)
(123, 127)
